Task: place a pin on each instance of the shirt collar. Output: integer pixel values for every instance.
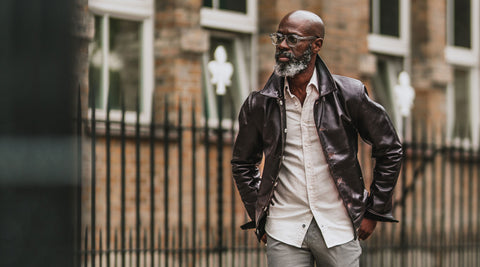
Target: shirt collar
(313, 82)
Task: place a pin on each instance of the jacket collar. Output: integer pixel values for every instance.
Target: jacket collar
(326, 85)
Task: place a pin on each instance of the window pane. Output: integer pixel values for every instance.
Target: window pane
(124, 64)
(234, 5)
(207, 3)
(385, 80)
(462, 118)
(228, 99)
(95, 65)
(462, 23)
(389, 17)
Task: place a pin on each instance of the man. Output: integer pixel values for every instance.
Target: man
(310, 201)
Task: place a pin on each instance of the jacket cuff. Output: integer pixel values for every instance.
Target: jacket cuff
(372, 215)
(248, 225)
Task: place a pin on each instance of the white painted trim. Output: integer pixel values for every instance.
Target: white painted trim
(461, 56)
(147, 69)
(105, 61)
(465, 58)
(450, 94)
(387, 45)
(126, 9)
(230, 20)
(227, 20)
(397, 46)
(474, 105)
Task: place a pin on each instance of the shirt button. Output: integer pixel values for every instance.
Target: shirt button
(303, 225)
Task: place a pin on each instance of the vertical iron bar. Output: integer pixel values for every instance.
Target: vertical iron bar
(160, 248)
(470, 232)
(461, 240)
(207, 185)
(180, 185)
(412, 238)
(152, 188)
(433, 219)
(166, 182)
(130, 247)
(93, 178)
(477, 219)
(403, 230)
(85, 260)
(426, 158)
(443, 194)
(100, 249)
(78, 235)
(145, 248)
(123, 184)
(452, 206)
(220, 179)
(115, 244)
(108, 180)
(232, 195)
(194, 187)
(137, 182)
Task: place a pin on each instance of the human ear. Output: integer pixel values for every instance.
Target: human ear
(317, 45)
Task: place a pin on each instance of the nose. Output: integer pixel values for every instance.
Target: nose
(283, 44)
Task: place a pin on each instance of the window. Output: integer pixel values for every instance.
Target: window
(231, 24)
(389, 27)
(121, 58)
(239, 5)
(389, 40)
(236, 93)
(386, 78)
(462, 53)
(459, 30)
(232, 15)
(385, 17)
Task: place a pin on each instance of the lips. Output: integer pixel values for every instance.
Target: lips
(283, 56)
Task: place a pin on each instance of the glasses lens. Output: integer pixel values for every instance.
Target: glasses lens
(292, 40)
(277, 38)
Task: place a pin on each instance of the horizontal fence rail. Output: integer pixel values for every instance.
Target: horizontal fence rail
(161, 194)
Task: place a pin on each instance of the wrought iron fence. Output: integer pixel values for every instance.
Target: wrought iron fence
(161, 194)
(437, 204)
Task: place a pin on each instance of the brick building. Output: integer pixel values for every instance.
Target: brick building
(157, 52)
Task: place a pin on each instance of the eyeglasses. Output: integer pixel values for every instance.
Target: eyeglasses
(292, 39)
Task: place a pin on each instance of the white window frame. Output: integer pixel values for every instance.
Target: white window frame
(394, 46)
(461, 57)
(135, 10)
(234, 22)
(230, 20)
(397, 46)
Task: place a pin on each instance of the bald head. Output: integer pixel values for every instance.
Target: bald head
(306, 21)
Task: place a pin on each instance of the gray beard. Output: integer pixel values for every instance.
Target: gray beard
(295, 65)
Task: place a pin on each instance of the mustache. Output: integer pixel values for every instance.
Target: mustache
(284, 53)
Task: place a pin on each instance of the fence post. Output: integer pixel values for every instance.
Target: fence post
(220, 179)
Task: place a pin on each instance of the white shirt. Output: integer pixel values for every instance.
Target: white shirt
(305, 188)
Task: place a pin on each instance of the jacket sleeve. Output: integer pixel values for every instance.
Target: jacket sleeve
(376, 128)
(247, 155)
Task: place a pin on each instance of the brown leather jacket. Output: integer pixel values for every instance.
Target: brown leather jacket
(342, 111)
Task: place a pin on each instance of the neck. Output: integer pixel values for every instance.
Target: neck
(301, 80)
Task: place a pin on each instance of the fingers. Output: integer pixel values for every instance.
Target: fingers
(363, 235)
(264, 239)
